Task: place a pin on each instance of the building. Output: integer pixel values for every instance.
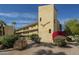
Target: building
(8, 30)
(5, 29)
(28, 30)
(46, 25)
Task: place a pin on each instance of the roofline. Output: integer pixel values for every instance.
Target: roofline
(28, 26)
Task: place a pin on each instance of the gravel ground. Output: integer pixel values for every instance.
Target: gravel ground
(36, 49)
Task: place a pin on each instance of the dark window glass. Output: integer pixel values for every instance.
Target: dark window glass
(60, 27)
(40, 18)
(49, 30)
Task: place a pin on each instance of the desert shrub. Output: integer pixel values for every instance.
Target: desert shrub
(9, 40)
(77, 39)
(60, 41)
(1, 45)
(35, 38)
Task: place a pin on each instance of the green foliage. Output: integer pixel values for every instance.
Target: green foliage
(60, 42)
(72, 27)
(77, 39)
(8, 41)
(35, 38)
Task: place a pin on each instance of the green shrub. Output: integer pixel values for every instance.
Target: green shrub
(60, 42)
(77, 39)
(35, 38)
(9, 40)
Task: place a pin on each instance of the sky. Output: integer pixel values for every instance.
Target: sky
(24, 14)
(66, 12)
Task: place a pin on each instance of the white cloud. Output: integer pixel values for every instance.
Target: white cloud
(9, 14)
(62, 20)
(29, 15)
(20, 18)
(15, 15)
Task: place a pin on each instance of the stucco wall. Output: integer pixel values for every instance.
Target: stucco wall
(9, 30)
(46, 13)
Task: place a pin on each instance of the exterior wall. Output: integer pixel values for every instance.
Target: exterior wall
(57, 26)
(2, 30)
(33, 32)
(56, 22)
(28, 30)
(8, 30)
(46, 14)
(33, 29)
(47, 22)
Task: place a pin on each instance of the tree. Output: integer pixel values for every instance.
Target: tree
(72, 27)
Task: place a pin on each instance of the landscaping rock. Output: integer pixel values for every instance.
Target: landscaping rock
(20, 44)
(1, 47)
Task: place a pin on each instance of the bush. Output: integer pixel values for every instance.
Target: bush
(60, 41)
(35, 38)
(9, 40)
(77, 39)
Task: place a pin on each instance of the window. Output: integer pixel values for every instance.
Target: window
(60, 27)
(49, 30)
(40, 18)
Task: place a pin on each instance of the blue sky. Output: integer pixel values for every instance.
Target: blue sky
(67, 11)
(22, 14)
(25, 14)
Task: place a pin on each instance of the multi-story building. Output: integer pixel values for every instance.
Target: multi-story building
(28, 30)
(46, 25)
(5, 29)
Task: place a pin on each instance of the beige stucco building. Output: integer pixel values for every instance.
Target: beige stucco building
(46, 25)
(28, 30)
(6, 29)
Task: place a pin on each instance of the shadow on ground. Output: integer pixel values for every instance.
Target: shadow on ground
(50, 45)
(30, 46)
(6, 50)
(48, 52)
(72, 43)
(66, 46)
